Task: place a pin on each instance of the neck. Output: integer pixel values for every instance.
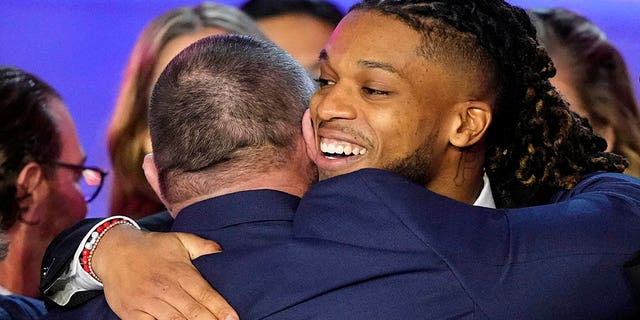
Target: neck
(20, 270)
(461, 177)
(284, 180)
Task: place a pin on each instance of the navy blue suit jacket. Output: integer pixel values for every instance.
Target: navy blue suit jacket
(242, 220)
(20, 308)
(558, 261)
(374, 245)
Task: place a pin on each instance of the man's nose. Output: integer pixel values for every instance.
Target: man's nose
(336, 103)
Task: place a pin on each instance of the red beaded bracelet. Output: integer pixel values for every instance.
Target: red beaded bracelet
(92, 242)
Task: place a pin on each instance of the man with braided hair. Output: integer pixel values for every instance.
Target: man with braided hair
(490, 47)
(452, 100)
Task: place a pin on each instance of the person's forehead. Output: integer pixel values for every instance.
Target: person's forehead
(374, 25)
(71, 149)
(368, 38)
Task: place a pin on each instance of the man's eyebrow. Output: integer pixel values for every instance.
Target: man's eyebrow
(379, 65)
(363, 63)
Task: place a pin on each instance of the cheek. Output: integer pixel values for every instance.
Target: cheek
(401, 132)
(72, 200)
(313, 105)
(79, 210)
(65, 208)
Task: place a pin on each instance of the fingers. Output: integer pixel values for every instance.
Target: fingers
(198, 299)
(186, 306)
(158, 307)
(182, 301)
(163, 311)
(152, 277)
(197, 246)
(137, 315)
(198, 288)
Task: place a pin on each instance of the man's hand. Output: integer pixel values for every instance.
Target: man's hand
(148, 275)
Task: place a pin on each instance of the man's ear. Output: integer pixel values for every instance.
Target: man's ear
(309, 135)
(471, 123)
(31, 188)
(151, 173)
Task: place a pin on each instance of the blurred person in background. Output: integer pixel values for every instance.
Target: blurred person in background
(301, 27)
(44, 184)
(592, 75)
(128, 133)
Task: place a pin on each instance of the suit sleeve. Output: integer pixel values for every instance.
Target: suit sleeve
(62, 282)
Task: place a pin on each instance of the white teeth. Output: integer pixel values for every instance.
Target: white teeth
(344, 149)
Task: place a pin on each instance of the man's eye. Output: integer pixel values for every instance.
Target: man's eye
(371, 91)
(323, 82)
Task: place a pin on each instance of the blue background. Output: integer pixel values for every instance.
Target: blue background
(81, 48)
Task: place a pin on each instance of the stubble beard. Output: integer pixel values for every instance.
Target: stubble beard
(416, 167)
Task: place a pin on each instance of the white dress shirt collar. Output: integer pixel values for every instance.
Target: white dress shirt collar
(485, 199)
(4, 291)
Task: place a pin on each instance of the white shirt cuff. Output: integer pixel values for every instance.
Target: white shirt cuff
(76, 279)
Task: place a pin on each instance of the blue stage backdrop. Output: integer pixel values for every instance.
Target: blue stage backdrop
(81, 47)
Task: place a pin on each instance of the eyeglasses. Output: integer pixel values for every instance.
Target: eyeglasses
(91, 180)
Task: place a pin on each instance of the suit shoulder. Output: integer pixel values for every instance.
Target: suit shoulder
(609, 184)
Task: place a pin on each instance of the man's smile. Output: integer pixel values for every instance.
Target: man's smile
(333, 148)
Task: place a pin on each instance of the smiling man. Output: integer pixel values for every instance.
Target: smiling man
(398, 109)
(452, 100)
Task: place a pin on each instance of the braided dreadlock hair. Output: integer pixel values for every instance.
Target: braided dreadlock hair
(535, 145)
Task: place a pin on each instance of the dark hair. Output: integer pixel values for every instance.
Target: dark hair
(535, 145)
(226, 103)
(598, 75)
(28, 133)
(323, 10)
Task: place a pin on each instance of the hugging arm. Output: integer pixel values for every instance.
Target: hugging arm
(153, 267)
